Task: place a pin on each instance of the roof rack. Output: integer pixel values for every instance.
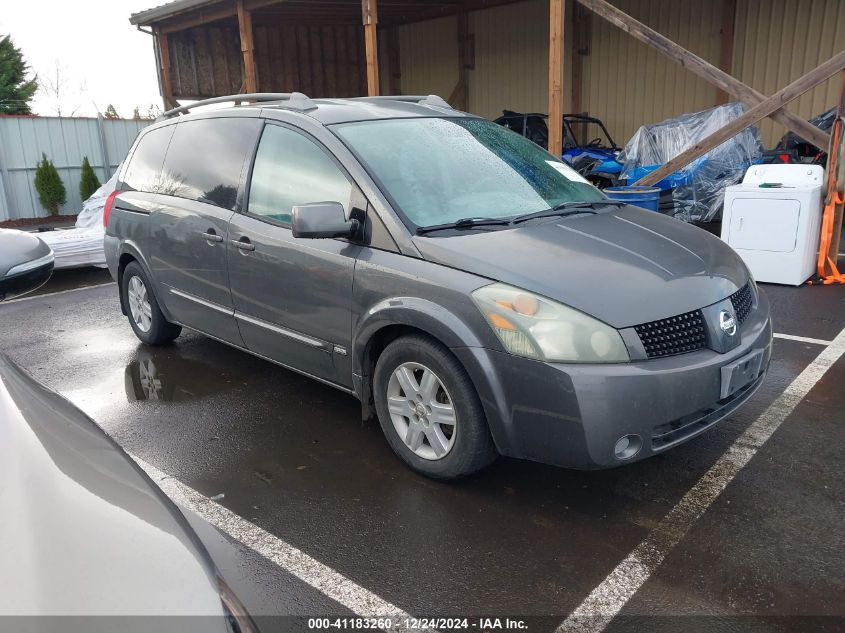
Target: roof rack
(431, 100)
(294, 101)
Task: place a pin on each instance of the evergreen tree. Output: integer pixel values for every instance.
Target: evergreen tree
(88, 182)
(136, 114)
(111, 113)
(15, 90)
(49, 185)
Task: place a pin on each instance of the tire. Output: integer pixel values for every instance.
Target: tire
(458, 449)
(152, 328)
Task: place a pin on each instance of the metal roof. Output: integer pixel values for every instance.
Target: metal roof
(167, 10)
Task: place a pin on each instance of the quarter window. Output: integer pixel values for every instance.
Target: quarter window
(142, 172)
(205, 159)
(291, 170)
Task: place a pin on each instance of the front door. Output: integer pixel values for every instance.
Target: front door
(292, 297)
(189, 235)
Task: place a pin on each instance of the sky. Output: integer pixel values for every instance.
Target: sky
(101, 58)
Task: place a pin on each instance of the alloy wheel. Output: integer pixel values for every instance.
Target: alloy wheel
(421, 410)
(139, 304)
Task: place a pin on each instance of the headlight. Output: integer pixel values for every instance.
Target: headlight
(535, 327)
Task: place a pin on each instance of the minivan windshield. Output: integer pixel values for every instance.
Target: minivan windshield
(444, 170)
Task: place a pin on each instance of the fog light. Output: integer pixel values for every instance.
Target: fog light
(627, 446)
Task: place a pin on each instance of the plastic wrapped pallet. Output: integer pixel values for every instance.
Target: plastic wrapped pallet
(698, 190)
(83, 244)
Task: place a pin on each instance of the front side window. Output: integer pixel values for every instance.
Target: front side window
(142, 172)
(439, 171)
(205, 159)
(290, 170)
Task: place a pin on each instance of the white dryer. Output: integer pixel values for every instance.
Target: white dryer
(773, 218)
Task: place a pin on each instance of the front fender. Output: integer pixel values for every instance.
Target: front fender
(433, 319)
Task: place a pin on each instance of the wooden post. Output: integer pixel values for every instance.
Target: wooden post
(166, 77)
(462, 89)
(836, 238)
(581, 42)
(726, 51)
(369, 11)
(394, 81)
(556, 13)
(704, 69)
(247, 47)
(760, 111)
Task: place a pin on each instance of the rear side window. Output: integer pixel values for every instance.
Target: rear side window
(291, 169)
(205, 159)
(142, 172)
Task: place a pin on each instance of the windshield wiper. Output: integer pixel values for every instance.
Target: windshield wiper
(464, 223)
(568, 208)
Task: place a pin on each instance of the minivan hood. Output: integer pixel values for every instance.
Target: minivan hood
(624, 267)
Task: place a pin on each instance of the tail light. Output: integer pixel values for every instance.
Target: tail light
(108, 206)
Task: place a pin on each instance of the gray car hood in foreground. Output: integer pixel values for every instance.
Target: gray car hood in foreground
(82, 530)
(624, 267)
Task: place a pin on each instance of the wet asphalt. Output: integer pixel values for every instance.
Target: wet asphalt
(520, 539)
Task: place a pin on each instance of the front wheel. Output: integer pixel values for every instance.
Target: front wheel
(145, 316)
(429, 410)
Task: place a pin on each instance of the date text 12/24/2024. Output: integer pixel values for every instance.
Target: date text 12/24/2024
(417, 624)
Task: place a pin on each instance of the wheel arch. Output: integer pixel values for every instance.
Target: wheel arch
(396, 317)
(129, 252)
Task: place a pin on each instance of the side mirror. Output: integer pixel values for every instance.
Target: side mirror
(26, 263)
(322, 219)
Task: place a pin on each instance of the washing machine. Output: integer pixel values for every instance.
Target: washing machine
(773, 219)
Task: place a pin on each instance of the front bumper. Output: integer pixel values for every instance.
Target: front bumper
(573, 415)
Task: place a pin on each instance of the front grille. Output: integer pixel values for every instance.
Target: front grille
(675, 335)
(742, 301)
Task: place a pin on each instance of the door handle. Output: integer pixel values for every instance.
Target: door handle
(211, 236)
(244, 244)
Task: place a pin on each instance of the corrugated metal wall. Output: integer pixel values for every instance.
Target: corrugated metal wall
(428, 57)
(511, 57)
(65, 141)
(777, 41)
(625, 82)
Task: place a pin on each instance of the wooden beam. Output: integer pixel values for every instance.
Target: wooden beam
(704, 69)
(197, 17)
(394, 66)
(460, 94)
(164, 71)
(556, 12)
(369, 12)
(581, 42)
(247, 48)
(726, 49)
(836, 239)
(760, 111)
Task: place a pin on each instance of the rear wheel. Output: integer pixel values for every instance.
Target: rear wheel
(429, 410)
(145, 316)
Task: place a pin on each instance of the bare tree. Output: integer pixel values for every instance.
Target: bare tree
(66, 97)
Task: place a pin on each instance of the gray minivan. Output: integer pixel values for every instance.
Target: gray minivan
(469, 288)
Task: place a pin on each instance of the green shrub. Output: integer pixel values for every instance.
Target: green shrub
(88, 182)
(49, 185)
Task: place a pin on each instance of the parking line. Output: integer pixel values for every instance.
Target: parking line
(58, 292)
(336, 586)
(609, 597)
(802, 339)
